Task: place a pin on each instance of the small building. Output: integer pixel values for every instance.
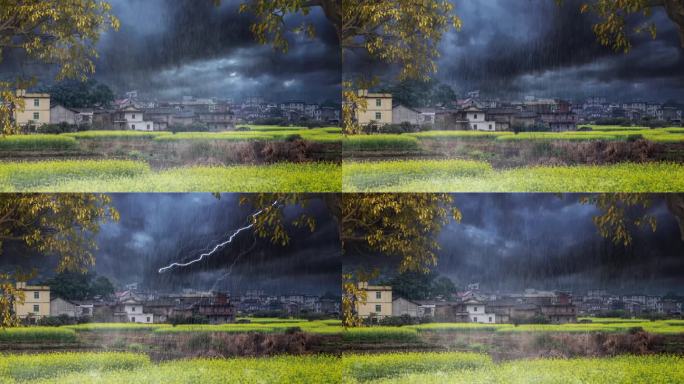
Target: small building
(378, 109)
(36, 110)
(35, 303)
(63, 307)
(404, 307)
(477, 119)
(131, 118)
(477, 313)
(403, 114)
(135, 312)
(60, 114)
(378, 303)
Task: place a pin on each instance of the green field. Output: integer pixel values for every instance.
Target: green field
(472, 176)
(81, 368)
(70, 141)
(134, 176)
(468, 368)
(412, 333)
(412, 141)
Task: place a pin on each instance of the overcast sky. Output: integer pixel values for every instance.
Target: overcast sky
(158, 229)
(514, 48)
(173, 48)
(546, 241)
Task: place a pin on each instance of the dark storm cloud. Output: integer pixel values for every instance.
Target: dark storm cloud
(545, 241)
(516, 48)
(173, 48)
(158, 229)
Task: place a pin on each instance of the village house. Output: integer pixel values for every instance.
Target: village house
(378, 109)
(35, 303)
(404, 307)
(135, 312)
(378, 303)
(477, 120)
(36, 110)
(403, 114)
(131, 118)
(217, 309)
(63, 307)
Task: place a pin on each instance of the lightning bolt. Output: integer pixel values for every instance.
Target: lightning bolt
(217, 246)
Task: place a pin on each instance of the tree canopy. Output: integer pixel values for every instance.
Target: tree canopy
(79, 286)
(81, 94)
(62, 33)
(60, 225)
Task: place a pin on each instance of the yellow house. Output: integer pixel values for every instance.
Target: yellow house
(378, 301)
(36, 111)
(36, 303)
(378, 109)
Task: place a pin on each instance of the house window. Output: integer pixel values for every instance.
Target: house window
(148, 319)
(474, 126)
(378, 308)
(474, 319)
(475, 309)
(36, 102)
(490, 127)
(490, 319)
(378, 116)
(378, 102)
(148, 127)
(133, 319)
(36, 295)
(378, 295)
(475, 117)
(36, 308)
(36, 115)
(133, 126)
(133, 117)
(133, 309)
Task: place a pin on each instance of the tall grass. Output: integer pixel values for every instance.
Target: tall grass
(37, 335)
(384, 142)
(115, 135)
(129, 176)
(37, 143)
(42, 366)
(460, 176)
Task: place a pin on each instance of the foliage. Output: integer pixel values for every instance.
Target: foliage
(37, 335)
(398, 225)
(421, 286)
(131, 176)
(622, 369)
(37, 143)
(80, 94)
(49, 365)
(281, 369)
(63, 33)
(614, 222)
(470, 176)
(613, 30)
(376, 366)
(384, 142)
(79, 286)
(416, 93)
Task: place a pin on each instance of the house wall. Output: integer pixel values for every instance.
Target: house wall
(372, 109)
(27, 115)
(370, 307)
(36, 301)
(402, 114)
(59, 114)
(60, 307)
(402, 307)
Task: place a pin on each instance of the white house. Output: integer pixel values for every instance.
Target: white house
(135, 312)
(131, 118)
(403, 307)
(477, 119)
(477, 313)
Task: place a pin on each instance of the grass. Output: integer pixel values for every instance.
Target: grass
(130, 176)
(317, 327)
(282, 369)
(616, 370)
(115, 327)
(380, 334)
(385, 142)
(37, 334)
(115, 135)
(37, 143)
(32, 367)
(366, 367)
(469, 176)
